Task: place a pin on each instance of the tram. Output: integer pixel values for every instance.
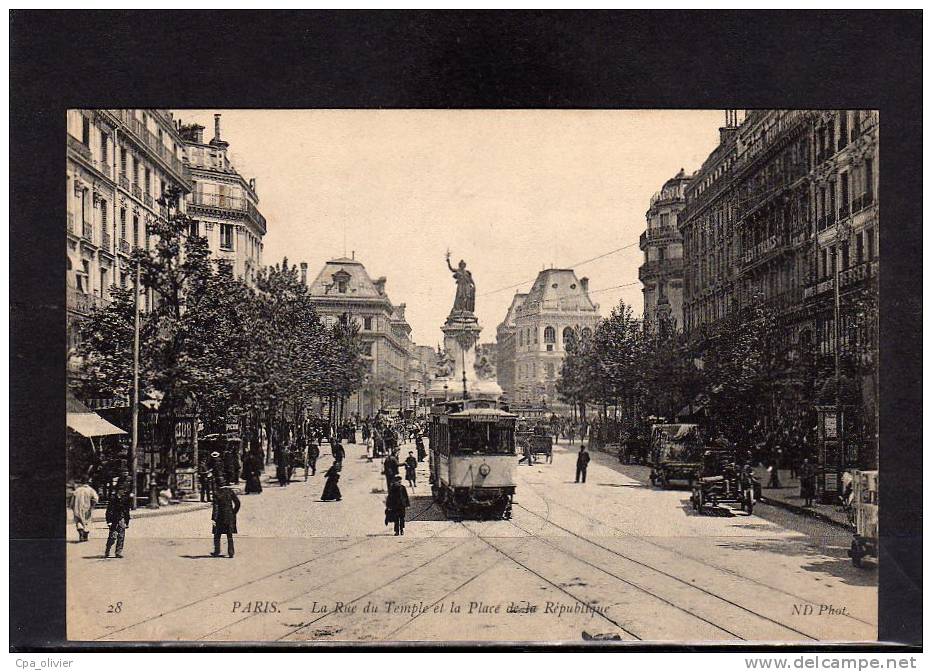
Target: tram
(472, 457)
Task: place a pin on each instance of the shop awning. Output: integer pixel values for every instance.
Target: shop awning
(91, 424)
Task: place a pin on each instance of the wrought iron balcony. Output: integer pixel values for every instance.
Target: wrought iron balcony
(87, 232)
(763, 248)
(124, 246)
(660, 267)
(137, 192)
(843, 211)
(221, 201)
(83, 303)
(124, 182)
(147, 199)
(659, 233)
(105, 241)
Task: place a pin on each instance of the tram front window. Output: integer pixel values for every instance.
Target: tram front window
(483, 438)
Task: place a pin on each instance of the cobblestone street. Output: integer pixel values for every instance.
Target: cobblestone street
(611, 557)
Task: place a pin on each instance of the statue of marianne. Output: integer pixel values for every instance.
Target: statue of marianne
(465, 287)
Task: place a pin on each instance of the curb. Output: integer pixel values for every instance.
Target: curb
(803, 511)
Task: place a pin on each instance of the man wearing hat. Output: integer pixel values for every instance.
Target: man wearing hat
(395, 505)
(226, 506)
(82, 506)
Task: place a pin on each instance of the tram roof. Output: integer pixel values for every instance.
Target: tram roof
(470, 412)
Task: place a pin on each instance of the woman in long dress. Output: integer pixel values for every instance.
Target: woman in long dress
(331, 489)
(253, 471)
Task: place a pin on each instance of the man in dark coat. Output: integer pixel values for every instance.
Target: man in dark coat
(419, 444)
(807, 481)
(226, 506)
(390, 469)
(396, 504)
(338, 452)
(205, 481)
(313, 452)
(582, 463)
(118, 519)
(411, 469)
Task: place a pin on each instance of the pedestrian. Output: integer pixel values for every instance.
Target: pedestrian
(419, 444)
(571, 433)
(82, 506)
(396, 504)
(313, 452)
(528, 456)
(774, 481)
(368, 441)
(253, 472)
(411, 469)
(331, 488)
(390, 470)
(204, 481)
(226, 506)
(118, 519)
(338, 451)
(807, 476)
(582, 463)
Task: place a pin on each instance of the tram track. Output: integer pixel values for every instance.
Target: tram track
(678, 552)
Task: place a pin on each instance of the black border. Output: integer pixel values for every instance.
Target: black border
(430, 59)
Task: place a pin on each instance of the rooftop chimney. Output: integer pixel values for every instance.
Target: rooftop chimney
(380, 285)
(217, 141)
(303, 272)
(584, 283)
(252, 183)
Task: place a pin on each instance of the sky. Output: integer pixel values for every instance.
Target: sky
(510, 192)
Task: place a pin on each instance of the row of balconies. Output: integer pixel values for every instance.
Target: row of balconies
(844, 210)
(659, 233)
(151, 141)
(83, 303)
(846, 278)
(831, 149)
(651, 269)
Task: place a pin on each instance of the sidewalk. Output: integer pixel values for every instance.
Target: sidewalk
(787, 497)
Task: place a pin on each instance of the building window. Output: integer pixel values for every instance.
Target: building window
(550, 335)
(859, 248)
(845, 256)
(869, 180)
(148, 190)
(194, 229)
(569, 336)
(104, 158)
(226, 236)
(103, 216)
(123, 162)
(844, 193)
(86, 131)
(870, 243)
(135, 230)
(842, 128)
(367, 323)
(122, 223)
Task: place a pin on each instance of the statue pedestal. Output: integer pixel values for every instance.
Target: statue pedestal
(460, 335)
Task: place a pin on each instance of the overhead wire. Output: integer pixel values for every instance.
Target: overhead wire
(575, 265)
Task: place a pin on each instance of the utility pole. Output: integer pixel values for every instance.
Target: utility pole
(839, 418)
(465, 391)
(134, 446)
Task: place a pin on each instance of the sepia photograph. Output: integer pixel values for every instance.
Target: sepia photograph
(395, 376)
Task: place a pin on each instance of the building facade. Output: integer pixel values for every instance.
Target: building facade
(118, 164)
(223, 203)
(556, 310)
(344, 287)
(662, 243)
(506, 340)
(783, 215)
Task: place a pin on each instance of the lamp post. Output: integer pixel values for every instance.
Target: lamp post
(381, 397)
(401, 390)
(414, 394)
(445, 397)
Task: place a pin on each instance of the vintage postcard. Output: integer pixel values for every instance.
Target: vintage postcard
(375, 376)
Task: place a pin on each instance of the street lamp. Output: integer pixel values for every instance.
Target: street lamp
(400, 398)
(414, 394)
